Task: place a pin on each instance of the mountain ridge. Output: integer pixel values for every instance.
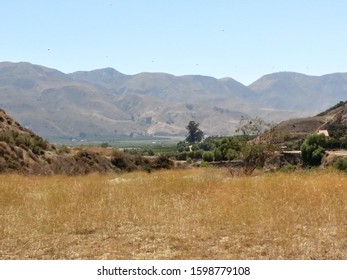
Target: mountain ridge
(108, 102)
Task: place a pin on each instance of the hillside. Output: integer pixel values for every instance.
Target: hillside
(301, 127)
(23, 151)
(108, 103)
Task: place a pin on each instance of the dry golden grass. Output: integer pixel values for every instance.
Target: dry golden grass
(181, 214)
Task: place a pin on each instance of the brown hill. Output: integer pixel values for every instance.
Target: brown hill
(298, 128)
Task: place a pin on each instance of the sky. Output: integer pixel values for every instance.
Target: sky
(241, 39)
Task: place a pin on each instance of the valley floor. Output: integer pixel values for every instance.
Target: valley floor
(178, 214)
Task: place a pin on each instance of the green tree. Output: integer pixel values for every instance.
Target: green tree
(195, 134)
(313, 149)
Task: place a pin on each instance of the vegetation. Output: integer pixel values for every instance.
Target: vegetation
(33, 142)
(337, 137)
(177, 214)
(252, 127)
(228, 148)
(340, 164)
(195, 134)
(340, 104)
(313, 149)
(127, 162)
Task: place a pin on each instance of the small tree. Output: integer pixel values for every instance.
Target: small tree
(195, 134)
(254, 155)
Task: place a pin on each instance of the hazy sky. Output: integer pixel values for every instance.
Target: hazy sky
(242, 39)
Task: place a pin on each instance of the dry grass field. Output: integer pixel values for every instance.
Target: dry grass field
(176, 214)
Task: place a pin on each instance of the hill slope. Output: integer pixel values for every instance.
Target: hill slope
(23, 151)
(301, 127)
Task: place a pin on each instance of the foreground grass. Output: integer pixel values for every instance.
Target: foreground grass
(182, 214)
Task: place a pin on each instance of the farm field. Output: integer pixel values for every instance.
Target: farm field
(178, 214)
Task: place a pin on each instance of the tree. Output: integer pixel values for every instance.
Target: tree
(250, 128)
(194, 133)
(255, 155)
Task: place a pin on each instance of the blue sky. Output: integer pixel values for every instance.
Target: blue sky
(242, 39)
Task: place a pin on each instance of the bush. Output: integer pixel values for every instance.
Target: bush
(147, 167)
(163, 162)
(6, 137)
(231, 154)
(218, 155)
(207, 156)
(181, 156)
(288, 168)
(198, 154)
(64, 150)
(340, 164)
(205, 164)
(312, 150)
(104, 145)
(123, 161)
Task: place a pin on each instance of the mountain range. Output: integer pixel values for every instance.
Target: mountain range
(106, 102)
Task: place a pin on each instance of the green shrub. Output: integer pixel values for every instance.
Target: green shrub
(288, 168)
(340, 164)
(312, 150)
(181, 156)
(207, 156)
(205, 164)
(198, 154)
(6, 137)
(231, 154)
(147, 167)
(218, 155)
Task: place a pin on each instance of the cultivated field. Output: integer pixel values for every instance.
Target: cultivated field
(179, 214)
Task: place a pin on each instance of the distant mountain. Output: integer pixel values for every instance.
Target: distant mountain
(106, 102)
(107, 77)
(299, 92)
